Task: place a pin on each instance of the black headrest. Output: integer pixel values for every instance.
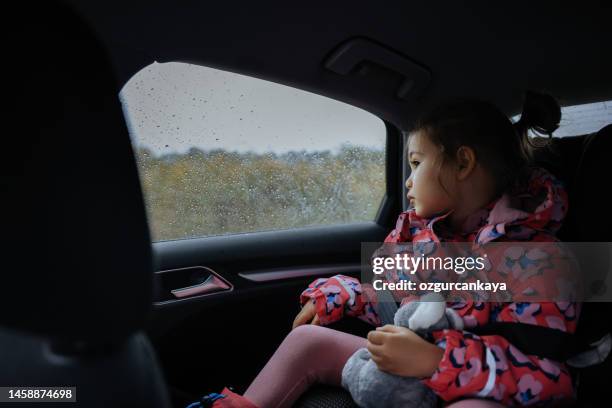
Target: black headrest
(591, 188)
(583, 164)
(77, 254)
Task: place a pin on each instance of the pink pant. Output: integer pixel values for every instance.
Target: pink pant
(311, 354)
(307, 355)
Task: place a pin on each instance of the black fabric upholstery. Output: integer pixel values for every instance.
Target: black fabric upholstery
(325, 396)
(590, 221)
(127, 375)
(590, 189)
(77, 283)
(581, 163)
(77, 254)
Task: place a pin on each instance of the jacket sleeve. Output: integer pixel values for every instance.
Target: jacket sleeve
(490, 367)
(341, 295)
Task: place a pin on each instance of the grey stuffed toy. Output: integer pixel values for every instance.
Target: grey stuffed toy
(371, 387)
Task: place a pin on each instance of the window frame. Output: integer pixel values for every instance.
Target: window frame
(390, 205)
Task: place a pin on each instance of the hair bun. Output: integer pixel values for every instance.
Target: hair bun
(541, 112)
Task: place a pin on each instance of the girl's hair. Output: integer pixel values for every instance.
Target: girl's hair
(503, 148)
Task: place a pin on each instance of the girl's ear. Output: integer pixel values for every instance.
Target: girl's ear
(466, 162)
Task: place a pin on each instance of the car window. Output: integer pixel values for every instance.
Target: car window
(582, 119)
(222, 153)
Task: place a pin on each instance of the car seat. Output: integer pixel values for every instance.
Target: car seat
(589, 221)
(77, 265)
(582, 163)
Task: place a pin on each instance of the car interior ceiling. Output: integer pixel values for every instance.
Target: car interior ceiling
(526, 46)
(174, 350)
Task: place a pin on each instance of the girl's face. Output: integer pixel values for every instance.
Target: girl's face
(425, 192)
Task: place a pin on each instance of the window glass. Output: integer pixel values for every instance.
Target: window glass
(221, 153)
(582, 119)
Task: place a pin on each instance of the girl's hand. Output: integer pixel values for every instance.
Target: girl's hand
(400, 351)
(308, 314)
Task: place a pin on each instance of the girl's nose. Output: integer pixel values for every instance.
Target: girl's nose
(409, 182)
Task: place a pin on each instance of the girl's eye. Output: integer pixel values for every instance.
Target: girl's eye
(414, 163)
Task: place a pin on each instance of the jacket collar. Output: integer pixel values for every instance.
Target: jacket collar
(539, 207)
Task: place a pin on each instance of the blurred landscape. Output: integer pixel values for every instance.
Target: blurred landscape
(215, 192)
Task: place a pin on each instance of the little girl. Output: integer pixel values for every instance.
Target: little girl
(472, 180)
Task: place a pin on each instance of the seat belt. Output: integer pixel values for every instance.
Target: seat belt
(386, 306)
(550, 343)
(536, 340)
(531, 339)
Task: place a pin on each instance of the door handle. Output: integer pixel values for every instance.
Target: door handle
(211, 284)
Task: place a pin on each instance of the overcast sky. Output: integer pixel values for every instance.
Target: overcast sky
(174, 106)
